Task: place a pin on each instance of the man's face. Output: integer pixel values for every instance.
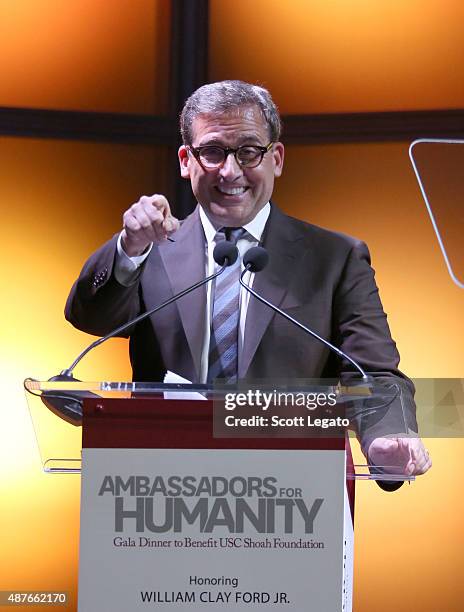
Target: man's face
(232, 195)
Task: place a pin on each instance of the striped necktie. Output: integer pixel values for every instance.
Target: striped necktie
(223, 351)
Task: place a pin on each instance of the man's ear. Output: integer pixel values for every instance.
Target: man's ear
(278, 154)
(184, 161)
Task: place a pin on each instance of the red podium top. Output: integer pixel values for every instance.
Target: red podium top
(154, 422)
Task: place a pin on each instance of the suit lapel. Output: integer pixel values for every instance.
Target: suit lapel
(184, 262)
(285, 247)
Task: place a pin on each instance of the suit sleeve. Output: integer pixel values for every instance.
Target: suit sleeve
(98, 303)
(361, 330)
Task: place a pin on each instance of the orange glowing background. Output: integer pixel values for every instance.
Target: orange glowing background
(60, 200)
(85, 55)
(323, 56)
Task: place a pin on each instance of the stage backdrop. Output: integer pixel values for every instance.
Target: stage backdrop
(61, 199)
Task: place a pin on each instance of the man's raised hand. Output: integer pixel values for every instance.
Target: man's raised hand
(148, 220)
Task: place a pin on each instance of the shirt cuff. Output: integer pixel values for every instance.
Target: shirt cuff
(127, 269)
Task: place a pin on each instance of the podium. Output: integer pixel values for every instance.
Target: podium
(175, 515)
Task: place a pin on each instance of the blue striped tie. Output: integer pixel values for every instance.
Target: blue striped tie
(223, 350)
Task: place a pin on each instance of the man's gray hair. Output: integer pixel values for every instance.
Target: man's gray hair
(225, 97)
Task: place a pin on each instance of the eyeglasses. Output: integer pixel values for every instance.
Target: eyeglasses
(212, 156)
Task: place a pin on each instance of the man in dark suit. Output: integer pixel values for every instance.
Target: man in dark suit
(232, 155)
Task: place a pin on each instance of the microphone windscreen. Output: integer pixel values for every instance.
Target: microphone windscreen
(225, 252)
(67, 403)
(255, 259)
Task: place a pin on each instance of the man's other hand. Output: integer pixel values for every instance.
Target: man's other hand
(400, 455)
(148, 220)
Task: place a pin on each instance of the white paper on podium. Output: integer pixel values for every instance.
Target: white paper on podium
(173, 378)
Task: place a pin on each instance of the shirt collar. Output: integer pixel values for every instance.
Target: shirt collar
(255, 227)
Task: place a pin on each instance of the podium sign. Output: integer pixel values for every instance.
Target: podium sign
(191, 527)
(197, 527)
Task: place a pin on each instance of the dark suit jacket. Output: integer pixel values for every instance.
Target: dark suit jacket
(322, 278)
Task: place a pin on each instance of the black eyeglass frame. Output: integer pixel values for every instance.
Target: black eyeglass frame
(196, 152)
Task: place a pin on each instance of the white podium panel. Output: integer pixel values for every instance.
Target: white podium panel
(215, 529)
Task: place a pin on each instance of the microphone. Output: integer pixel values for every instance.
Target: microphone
(255, 260)
(69, 405)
